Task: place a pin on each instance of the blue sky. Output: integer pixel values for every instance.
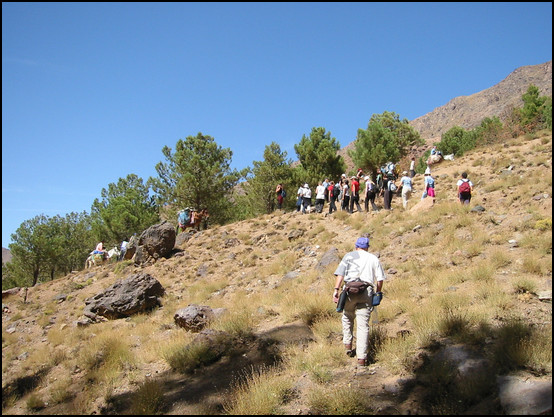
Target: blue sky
(92, 92)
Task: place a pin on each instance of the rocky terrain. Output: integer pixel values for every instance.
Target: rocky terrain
(270, 267)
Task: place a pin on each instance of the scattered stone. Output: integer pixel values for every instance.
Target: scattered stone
(527, 396)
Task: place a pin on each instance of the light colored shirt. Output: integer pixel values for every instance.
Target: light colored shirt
(406, 183)
(360, 264)
(429, 182)
(320, 192)
(307, 193)
(464, 180)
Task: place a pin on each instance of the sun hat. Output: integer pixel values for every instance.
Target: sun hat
(366, 177)
(404, 172)
(362, 242)
(306, 185)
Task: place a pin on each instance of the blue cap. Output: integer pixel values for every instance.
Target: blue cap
(362, 242)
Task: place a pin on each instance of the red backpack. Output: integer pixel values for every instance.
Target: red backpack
(465, 187)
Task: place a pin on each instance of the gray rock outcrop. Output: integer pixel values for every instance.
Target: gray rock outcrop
(138, 293)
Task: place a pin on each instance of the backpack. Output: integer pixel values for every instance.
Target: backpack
(465, 187)
(372, 188)
(431, 183)
(283, 193)
(336, 191)
(393, 187)
(379, 181)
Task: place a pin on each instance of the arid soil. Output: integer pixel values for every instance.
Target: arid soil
(209, 256)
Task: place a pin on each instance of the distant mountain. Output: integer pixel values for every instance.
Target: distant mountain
(469, 111)
(6, 255)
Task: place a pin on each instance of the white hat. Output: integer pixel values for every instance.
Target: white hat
(366, 177)
(306, 185)
(428, 170)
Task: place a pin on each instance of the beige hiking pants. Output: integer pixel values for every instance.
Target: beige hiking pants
(358, 306)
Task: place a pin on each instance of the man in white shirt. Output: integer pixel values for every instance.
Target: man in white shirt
(358, 265)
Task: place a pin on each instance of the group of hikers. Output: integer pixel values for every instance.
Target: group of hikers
(188, 217)
(345, 193)
(100, 253)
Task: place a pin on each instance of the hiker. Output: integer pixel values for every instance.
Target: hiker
(299, 195)
(345, 195)
(123, 249)
(326, 186)
(428, 186)
(280, 191)
(100, 250)
(185, 218)
(412, 168)
(332, 195)
(354, 195)
(465, 188)
(358, 265)
(370, 193)
(379, 181)
(306, 198)
(389, 188)
(319, 197)
(406, 184)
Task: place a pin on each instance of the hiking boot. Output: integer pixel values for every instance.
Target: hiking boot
(349, 351)
(362, 362)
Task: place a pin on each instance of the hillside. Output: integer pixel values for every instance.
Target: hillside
(466, 112)
(456, 281)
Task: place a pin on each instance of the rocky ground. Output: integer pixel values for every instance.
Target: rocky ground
(224, 253)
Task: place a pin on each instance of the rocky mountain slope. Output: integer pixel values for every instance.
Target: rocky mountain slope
(469, 111)
(278, 271)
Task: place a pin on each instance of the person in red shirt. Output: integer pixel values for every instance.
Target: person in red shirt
(355, 195)
(332, 197)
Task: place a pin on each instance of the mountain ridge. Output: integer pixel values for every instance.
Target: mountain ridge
(469, 111)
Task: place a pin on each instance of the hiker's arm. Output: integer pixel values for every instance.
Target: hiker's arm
(338, 283)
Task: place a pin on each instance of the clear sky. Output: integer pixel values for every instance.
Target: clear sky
(92, 92)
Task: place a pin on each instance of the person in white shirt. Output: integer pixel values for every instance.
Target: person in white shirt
(358, 265)
(406, 183)
(465, 187)
(299, 195)
(319, 197)
(306, 198)
(412, 168)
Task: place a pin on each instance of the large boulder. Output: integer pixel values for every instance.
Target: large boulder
(135, 294)
(155, 242)
(131, 247)
(195, 317)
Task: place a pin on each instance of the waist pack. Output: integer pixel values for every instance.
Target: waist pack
(355, 287)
